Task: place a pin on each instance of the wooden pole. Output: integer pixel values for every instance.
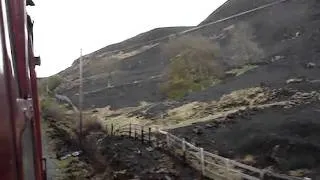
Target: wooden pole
(262, 175)
(228, 168)
(149, 135)
(135, 133)
(142, 135)
(112, 129)
(202, 161)
(184, 148)
(129, 130)
(80, 99)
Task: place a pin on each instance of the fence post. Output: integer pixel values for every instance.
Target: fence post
(112, 129)
(130, 130)
(135, 133)
(228, 168)
(202, 161)
(262, 175)
(184, 149)
(142, 135)
(168, 139)
(149, 135)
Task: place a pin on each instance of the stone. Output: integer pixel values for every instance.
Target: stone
(231, 116)
(291, 81)
(310, 65)
(76, 153)
(287, 107)
(276, 58)
(162, 170)
(65, 157)
(149, 149)
(315, 81)
(197, 130)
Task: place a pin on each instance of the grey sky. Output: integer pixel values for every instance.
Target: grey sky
(62, 27)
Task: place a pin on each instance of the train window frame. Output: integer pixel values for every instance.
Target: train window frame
(25, 139)
(8, 51)
(2, 56)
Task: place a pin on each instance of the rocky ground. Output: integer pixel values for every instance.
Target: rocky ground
(100, 155)
(278, 136)
(274, 129)
(129, 159)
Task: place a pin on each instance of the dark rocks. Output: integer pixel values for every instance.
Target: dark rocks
(276, 58)
(197, 130)
(310, 65)
(305, 97)
(255, 109)
(209, 125)
(149, 149)
(231, 116)
(296, 80)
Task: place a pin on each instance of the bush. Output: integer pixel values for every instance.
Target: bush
(53, 82)
(193, 65)
(50, 109)
(243, 49)
(90, 125)
(197, 43)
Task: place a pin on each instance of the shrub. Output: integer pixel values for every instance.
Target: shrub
(198, 43)
(193, 65)
(53, 82)
(51, 109)
(89, 125)
(242, 48)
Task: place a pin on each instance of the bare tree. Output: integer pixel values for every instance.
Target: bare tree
(243, 49)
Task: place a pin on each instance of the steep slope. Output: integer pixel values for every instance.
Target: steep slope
(125, 78)
(284, 138)
(293, 37)
(231, 7)
(122, 77)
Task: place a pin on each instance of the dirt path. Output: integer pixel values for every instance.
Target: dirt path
(218, 115)
(53, 172)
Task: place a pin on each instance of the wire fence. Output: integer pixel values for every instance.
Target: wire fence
(210, 165)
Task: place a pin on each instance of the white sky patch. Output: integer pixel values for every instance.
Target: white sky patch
(62, 27)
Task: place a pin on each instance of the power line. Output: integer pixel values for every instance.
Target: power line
(199, 27)
(233, 16)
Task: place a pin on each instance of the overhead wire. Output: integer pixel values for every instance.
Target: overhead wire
(174, 35)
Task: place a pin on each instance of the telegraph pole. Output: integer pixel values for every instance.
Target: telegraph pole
(80, 98)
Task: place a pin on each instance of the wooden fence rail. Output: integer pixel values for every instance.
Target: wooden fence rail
(209, 164)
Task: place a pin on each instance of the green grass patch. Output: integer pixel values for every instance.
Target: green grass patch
(242, 70)
(179, 88)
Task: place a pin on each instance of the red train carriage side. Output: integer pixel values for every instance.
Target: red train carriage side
(20, 133)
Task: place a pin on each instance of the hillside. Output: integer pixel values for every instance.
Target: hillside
(263, 107)
(125, 78)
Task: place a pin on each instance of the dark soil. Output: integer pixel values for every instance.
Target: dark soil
(131, 159)
(285, 139)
